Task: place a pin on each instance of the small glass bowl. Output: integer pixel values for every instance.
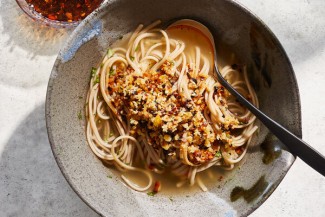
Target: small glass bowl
(43, 20)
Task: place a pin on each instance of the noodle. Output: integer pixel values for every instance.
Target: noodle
(153, 102)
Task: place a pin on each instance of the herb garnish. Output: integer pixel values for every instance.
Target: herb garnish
(93, 72)
(96, 80)
(151, 193)
(79, 115)
(111, 71)
(218, 154)
(110, 53)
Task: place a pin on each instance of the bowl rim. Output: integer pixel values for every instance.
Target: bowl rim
(105, 4)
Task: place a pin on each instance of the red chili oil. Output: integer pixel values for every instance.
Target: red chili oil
(64, 10)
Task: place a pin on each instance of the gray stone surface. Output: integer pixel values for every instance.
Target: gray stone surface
(30, 181)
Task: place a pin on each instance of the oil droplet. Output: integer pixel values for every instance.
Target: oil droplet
(258, 189)
(272, 149)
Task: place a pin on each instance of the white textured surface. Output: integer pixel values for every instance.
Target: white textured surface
(30, 181)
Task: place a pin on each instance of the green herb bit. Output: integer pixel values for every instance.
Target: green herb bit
(120, 37)
(132, 58)
(110, 53)
(111, 71)
(79, 115)
(109, 177)
(59, 151)
(151, 193)
(171, 199)
(218, 154)
(137, 48)
(80, 97)
(93, 72)
(101, 65)
(96, 80)
(111, 134)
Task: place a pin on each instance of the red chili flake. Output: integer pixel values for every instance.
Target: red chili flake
(151, 167)
(52, 17)
(249, 97)
(157, 187)
(239, 150)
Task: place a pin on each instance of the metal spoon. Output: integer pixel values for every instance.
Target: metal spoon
(295, 145)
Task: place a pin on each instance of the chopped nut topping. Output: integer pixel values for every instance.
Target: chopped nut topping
(154, 107)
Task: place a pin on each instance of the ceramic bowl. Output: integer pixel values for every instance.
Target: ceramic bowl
(251, 41)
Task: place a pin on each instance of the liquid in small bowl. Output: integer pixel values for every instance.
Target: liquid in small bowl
(59, 13)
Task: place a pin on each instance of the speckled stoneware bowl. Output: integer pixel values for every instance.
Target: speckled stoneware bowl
(242, 190)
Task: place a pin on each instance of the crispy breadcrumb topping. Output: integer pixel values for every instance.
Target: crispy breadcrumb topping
(157, 111)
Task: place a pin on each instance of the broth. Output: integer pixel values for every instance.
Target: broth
(212, 177)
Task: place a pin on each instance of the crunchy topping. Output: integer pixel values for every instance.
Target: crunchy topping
(157, 111)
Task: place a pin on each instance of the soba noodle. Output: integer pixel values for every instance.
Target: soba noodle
(153, 106)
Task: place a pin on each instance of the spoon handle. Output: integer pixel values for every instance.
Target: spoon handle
(296, 146)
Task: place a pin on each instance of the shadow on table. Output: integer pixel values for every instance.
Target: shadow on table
(27, 34)
(31, 183)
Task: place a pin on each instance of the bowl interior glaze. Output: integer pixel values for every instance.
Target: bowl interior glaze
(236, 29)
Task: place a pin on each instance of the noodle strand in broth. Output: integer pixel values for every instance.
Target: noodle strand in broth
(154, 106)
